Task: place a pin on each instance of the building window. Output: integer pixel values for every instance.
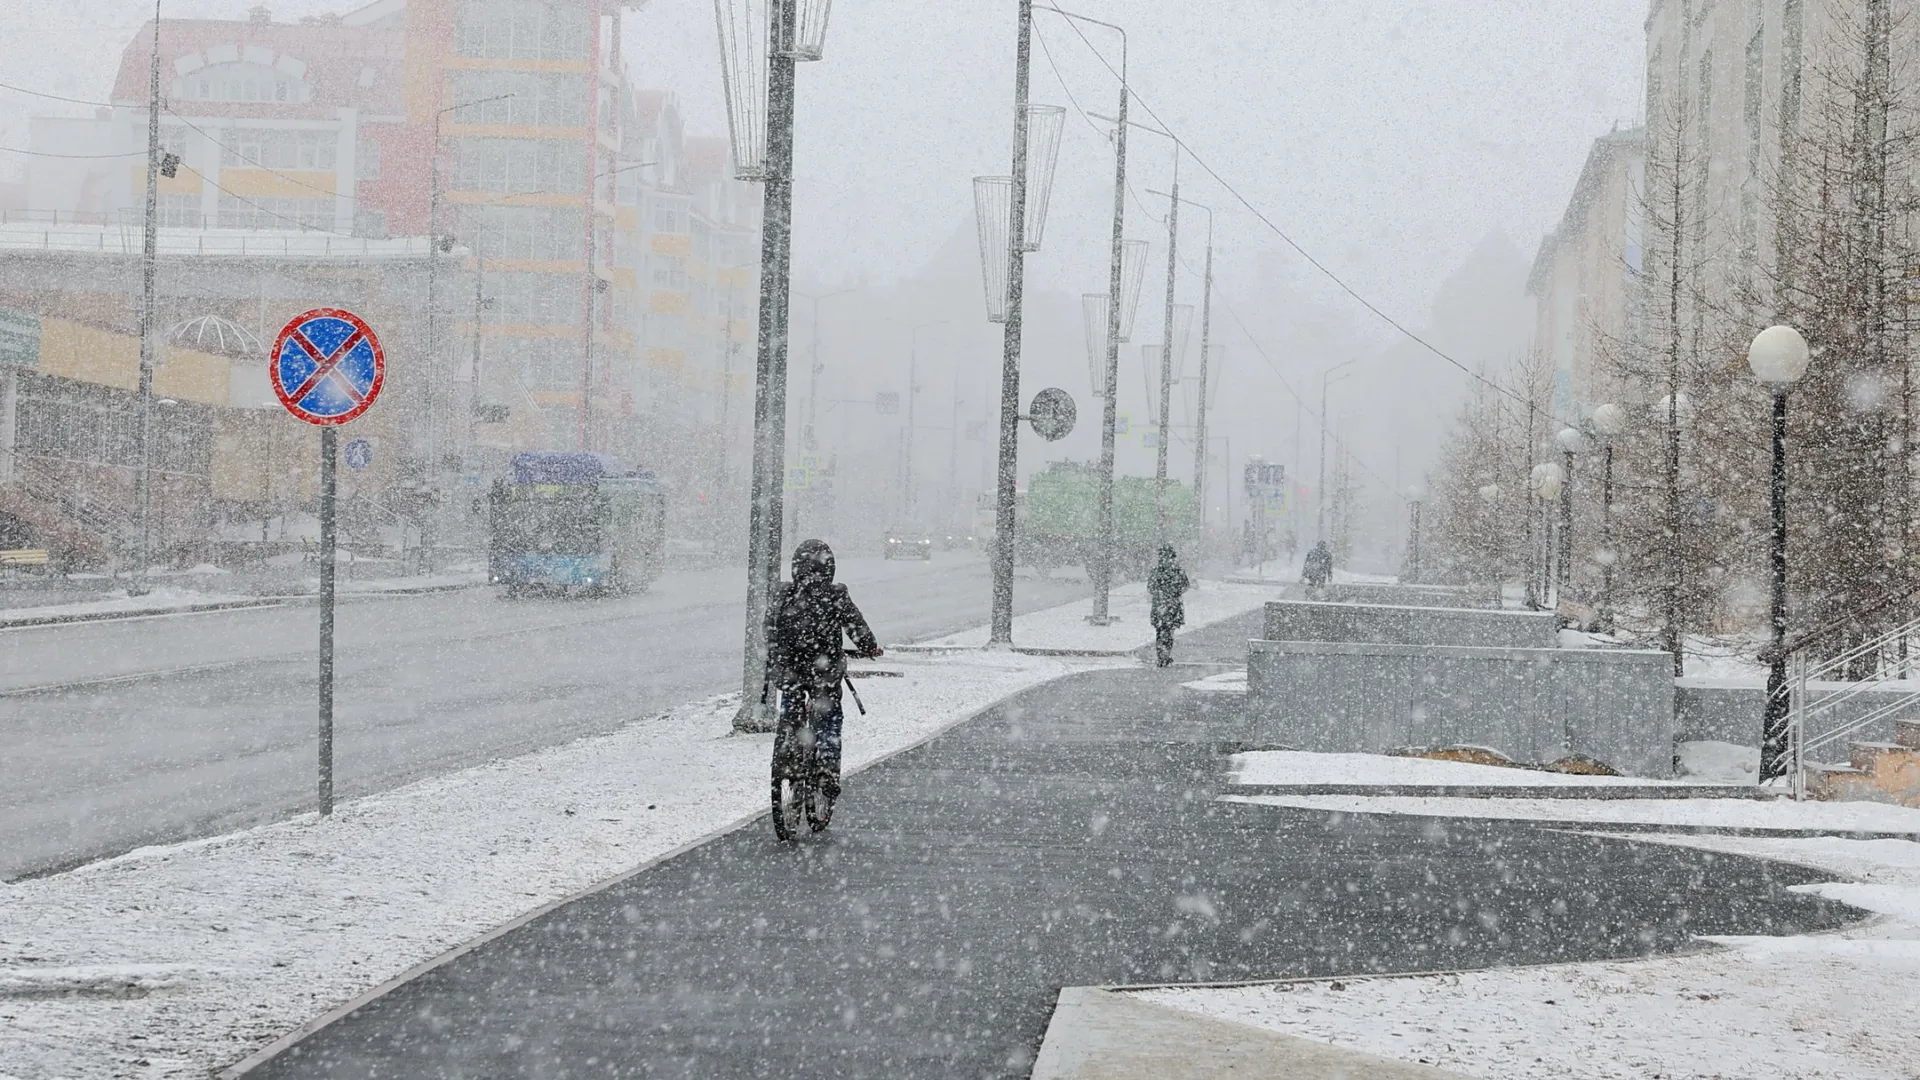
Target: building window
(670, 273)
(278, 148)
(526, 232)
(524, 297)
(241, 82)
(522, 166)
(272, 213)
(669, 218)
(179, 211)
(525, 98)
(523, 30)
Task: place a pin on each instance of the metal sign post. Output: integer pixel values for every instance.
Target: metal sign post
(327, 368)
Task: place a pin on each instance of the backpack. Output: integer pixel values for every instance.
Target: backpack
(806, 630)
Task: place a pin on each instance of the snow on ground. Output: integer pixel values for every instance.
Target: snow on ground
(176, 960)
(1066, 628)
(1719, 762)
(1836, 1005)
(161, 601)
(1295, 767)
(1227, 682)
(1734, 813)
(169, 600)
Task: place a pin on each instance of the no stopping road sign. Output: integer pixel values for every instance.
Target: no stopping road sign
(327, 367)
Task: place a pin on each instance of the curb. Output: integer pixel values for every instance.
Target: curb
(1480, 791)
(30, 621)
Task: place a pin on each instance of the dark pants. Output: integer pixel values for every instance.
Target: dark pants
(823, 699)
(1163, 644)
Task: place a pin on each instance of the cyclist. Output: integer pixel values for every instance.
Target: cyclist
(806, 660)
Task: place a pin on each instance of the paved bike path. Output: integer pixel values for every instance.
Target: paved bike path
(1069, 837)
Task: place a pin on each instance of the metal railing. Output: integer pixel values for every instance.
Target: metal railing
(1892, 663)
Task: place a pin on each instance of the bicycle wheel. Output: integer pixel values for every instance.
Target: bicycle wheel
(819, 809)
(791, 798)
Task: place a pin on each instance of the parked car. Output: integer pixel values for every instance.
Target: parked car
(908, 542)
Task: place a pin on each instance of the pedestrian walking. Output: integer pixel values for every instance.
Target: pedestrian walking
(1318, 569)
(807, 657)
(1166, 583)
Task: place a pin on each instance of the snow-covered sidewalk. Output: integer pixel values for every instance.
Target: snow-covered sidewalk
(1065, 629)
(179, 960)
(1826, 1005)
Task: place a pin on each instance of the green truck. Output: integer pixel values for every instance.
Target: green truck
(1062, 521)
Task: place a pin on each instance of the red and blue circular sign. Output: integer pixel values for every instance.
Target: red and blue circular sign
(327, 366)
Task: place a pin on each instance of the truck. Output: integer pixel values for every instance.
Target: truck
(1062, 523)
(574, 522)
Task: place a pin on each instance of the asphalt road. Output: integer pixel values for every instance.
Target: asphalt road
(1068, 837)
(128, 732)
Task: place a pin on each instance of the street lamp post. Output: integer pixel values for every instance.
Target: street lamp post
(1206, 338)
(761, 130)
(1102, 571)
(1572, 441)
(1008, 459)
(913, 392)
(1490, 496)
(1609, 421)
(1320, 492)
(1778, 357)
(1547, 482)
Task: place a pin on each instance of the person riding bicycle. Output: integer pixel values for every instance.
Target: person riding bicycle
(806, 659)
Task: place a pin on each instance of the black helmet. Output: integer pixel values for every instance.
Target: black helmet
(812, 559)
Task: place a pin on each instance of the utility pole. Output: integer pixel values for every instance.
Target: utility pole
(1320, 494)
(143, 480)
(908, 497)
(1009, 456)
(1200, 418)
(1102, 571)
(765, 512)
(1166, 357)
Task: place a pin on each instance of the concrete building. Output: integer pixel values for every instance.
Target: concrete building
(586, 253)
(1585, 280)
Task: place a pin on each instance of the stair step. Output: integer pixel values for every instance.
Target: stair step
(1870, 756)
(1907, 733)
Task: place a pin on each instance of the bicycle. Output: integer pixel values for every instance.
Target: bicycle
(797, 787)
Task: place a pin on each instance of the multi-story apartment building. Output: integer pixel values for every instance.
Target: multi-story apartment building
(497, 128)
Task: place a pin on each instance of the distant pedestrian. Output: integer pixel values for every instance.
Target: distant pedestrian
(1318, 569)
(1166, 583)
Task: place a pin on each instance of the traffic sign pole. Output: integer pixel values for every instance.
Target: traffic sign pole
(328, 437)
(327, 368)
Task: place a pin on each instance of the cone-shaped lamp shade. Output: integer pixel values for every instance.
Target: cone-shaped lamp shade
(1150, 356)
(993, 216)
(744, 42)
(810, 42)
(1133, 272)
(1044, 124)
(1094, 309)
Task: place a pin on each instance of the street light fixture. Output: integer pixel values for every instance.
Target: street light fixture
(1571, 441)
(1778, 358)
(1609, 420)
(1320, 492)
(1114, 313)
(760, 43)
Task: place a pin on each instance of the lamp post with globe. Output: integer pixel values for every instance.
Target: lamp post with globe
(1490, 495)
(1778, 357)
(1547, 482)
(1571, 441)
(1609, 421)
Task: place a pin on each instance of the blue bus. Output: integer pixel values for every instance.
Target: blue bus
(565, 522)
